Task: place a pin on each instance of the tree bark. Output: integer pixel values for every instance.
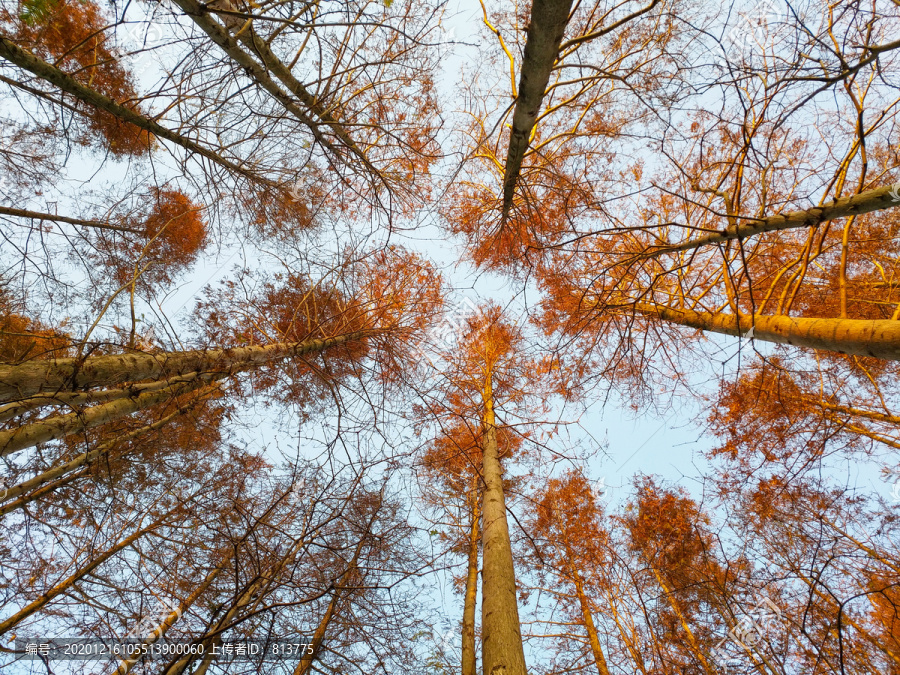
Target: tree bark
(28, 61)
(879, 338)
(33, 488)
(502, 652)
(272, 64)
(64, 398)
(468, 621)
(864, 202)
(125, 665)
(36, 215)
(545, 33)
(60, 426)
(71, 374)
(587, 616)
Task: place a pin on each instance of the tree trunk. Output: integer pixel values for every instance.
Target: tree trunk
(28, 61)
(545, 33)
(71, 580)
(865, 202)
(70, 374)
(60, 426)
(586, 614)
(36, 215)
(126, 665)
(468, 622)
(878, 338)
(502, 652)
(69, 471)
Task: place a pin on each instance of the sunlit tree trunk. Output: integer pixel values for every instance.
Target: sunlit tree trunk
(67, 583)
(879, 338)
(126, 665)
(468, 621)
(502, 652)
(60, 426)
(34, 377)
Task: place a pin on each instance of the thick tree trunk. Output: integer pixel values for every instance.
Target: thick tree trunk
(865, 202)
(36, 487)
(28, 61)
(502, 652)
(545, 33)
(468, 621)
(60, 426)
(878, 338)
(71, 374)
(78, 398)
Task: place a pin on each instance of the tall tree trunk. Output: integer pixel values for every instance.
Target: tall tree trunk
(11, 52)
(879, 338)
(126, 665)
(70, 374)
(57, 476)
(864, 202)
(545, 33)
(588, 617)
(673, 603)
(468, 622)
(60, 426)
(502, 652)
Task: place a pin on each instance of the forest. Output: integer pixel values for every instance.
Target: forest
(334, 335)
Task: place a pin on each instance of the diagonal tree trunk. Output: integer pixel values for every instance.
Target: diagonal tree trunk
(468, 622)
(60, 426)
(53, 478)
(502, 652)
(28, 61)
(71, 374)
(545, 33)
(855, 205)
(272, 64)
(879, 338)
(67, 583)
(126, 665)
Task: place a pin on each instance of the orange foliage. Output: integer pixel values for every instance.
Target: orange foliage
(70, 35)
(23, 338)
(568, 525)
